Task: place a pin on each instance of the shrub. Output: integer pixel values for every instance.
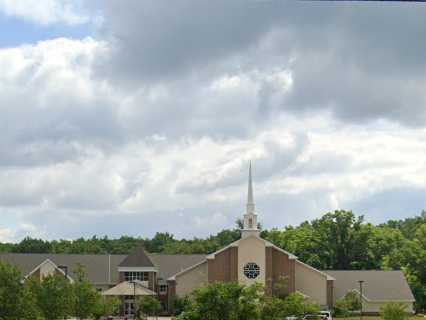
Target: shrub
(106, 306)
(55, 297)
(340, 308)
(148, 306)
(353, 301)
(231, 301)
(181, 304)
(272, 309)
(394, 311)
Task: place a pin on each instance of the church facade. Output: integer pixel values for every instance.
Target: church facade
(248, 260)
(251, 260)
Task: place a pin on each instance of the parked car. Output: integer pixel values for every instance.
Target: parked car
(315, 317)
(327, 314)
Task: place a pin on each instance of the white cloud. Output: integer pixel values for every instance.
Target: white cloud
(85, 153)
(46, 12)
(7, 235)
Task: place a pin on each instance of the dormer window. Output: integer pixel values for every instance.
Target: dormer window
(136, 275)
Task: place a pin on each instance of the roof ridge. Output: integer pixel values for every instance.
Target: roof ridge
(137, 258)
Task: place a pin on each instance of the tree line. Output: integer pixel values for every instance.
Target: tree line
(337, 240)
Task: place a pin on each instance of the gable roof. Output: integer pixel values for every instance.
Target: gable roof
(137, 258)
(170, 264)
(267, 244)
(378, 285)
(126, 288)
(48, 261)
(100, 268)
(173, 277)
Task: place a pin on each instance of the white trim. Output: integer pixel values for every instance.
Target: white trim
(54, 265)
(328, 277)
(270, 244)
(137, 269)
(267, 244)
(173, 278)
(233, 244)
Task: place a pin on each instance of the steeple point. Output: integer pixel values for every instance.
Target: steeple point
(250, 201)
(250, 217)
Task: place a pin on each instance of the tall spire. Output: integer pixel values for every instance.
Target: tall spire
(250, 218)
(250, 201)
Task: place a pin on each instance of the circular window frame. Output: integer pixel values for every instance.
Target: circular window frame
(251, 270)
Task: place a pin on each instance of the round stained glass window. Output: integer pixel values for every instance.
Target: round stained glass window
(251, 270)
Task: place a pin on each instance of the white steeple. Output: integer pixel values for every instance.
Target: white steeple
(250, 217)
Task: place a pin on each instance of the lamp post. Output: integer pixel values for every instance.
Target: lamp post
(134, 299)
(361, 282)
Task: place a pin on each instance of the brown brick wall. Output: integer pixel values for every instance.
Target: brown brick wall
(224, 267)
(279, 265)
(171, 295)
(152, 281)
(330, 293)
(36, 275)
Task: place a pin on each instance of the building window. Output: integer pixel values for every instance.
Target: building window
(251, 270)
(163, 288)
(136, 275)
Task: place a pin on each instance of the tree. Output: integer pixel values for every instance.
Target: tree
(353, 301)
(280, 288)
(342, 239)
(295, 305)
(55, 297)
(29, 245)
(106, 306)
(29, 307)
(179, 304)
(272, 309)
(394, 311)
(340, 308)
(86, 297)
(10, 292)
(148, 306)
(226, 301)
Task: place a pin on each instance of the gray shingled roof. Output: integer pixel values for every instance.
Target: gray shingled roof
(97, 265)
(378, 285)
(170, 264)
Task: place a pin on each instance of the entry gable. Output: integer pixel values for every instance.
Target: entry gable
(46, 268)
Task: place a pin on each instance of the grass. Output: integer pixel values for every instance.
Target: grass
(378, 318)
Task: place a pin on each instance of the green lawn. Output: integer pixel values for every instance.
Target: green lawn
(377, 318)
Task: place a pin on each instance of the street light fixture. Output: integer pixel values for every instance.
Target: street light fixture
(361, 282)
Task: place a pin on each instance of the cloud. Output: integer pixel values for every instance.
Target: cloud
(6, 235)
(340, 59)
(46, 12)
(149, 124)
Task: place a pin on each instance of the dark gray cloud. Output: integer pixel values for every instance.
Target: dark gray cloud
(362, 61)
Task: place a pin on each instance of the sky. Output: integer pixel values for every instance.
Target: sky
(136, 117)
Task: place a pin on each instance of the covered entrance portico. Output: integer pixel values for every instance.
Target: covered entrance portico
(127, 292)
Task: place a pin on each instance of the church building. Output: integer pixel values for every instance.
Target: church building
(248, 260)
